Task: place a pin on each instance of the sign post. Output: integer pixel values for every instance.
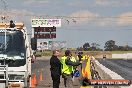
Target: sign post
(45, 28)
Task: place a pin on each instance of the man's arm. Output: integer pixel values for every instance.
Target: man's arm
(69, 62)
(80, 57)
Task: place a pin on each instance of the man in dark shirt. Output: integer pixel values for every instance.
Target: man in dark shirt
(55, 68)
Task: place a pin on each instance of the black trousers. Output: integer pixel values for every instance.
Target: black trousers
(56, 80)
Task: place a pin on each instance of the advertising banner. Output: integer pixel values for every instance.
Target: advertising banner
(46, 22)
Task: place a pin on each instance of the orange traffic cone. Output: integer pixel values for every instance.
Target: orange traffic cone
(35, 79)
(32, 82)
(41, 76)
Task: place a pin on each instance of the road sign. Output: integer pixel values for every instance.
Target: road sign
(45, 35)
(44, 29)
(42, 45)
(46, 22)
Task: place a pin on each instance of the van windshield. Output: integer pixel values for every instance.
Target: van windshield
(12, 47)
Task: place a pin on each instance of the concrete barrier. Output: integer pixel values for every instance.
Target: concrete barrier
(106, 73)
(125, 55)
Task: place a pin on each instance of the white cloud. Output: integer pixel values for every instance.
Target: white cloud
(77, 4)
(16, 14)
(125, 19)
(101, 2)
(113, 3)
(105, 21)
(82, 17)
(86, 17)
(22, 12)
(37, 1)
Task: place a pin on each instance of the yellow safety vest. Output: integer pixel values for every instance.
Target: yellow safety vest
(84, 57)
(67, 69)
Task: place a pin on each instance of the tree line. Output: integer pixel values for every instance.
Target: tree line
(110, 45)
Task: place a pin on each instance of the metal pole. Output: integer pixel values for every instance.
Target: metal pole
(6, 76)
(33, 32)
(5, 44)
(51, 40)
(5, 37)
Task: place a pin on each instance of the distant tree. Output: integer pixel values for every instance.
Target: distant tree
(86, 46)
(116, 47)
(124, 48)
(127, 48)
(110, 45)
(120, 48)
(95, 46)
(80, 49)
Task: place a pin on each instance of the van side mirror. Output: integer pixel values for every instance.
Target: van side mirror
(34, 43)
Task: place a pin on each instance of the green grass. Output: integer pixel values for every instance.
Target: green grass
(49, 53)
(44, 53)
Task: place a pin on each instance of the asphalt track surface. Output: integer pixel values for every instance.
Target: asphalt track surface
(122, 67)
(42, 64)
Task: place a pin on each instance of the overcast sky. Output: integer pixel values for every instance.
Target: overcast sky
(82, 20)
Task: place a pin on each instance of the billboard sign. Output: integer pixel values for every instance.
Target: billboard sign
(51, 45)
(42, 45)
(46, 22)
(57, 44)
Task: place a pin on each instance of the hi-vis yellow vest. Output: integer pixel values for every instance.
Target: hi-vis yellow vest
(67, 69)
(84, 57)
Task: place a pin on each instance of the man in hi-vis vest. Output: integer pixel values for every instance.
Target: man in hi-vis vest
(68, 63)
